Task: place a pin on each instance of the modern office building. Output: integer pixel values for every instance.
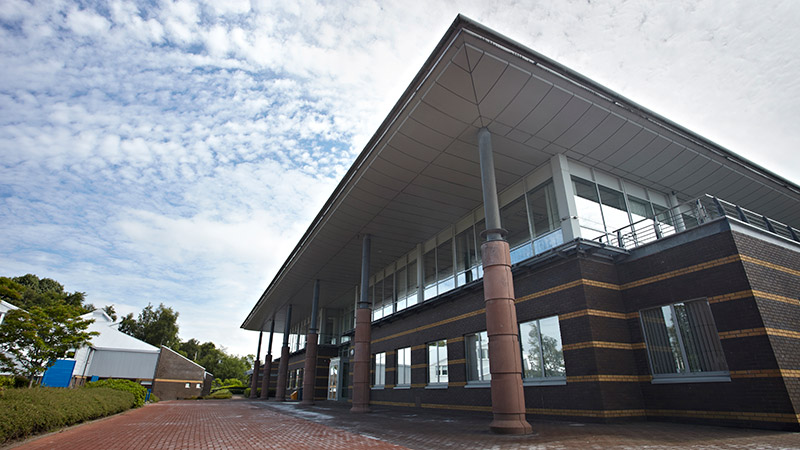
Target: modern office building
(638, 271)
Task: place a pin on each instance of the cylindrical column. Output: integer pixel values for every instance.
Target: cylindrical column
(283, 367)
(268, 363)
(310, 369)
(362, 337)
(491, 208)
(505, 365)
(256, 366)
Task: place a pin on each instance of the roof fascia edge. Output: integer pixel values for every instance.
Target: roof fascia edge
(410, 92)
(499, 40)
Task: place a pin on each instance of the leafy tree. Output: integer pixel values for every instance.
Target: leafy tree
(155, 326)
(31, 340)
(189, 349)
(29, 290)
(109, 309)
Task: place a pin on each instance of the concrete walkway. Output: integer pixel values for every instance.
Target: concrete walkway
(245, 424)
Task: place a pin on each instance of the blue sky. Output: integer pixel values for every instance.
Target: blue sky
(175, 151)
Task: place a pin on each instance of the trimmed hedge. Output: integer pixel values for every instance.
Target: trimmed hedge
(220, 394)
(24, 412)
(139, 392)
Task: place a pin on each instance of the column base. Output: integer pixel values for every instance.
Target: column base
(360, 409)
(510, 424)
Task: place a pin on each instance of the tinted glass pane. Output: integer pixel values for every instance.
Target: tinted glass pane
(531, 350)
(543, 209)
(614, 211)
(590, 218)
(514, 218)
(466, 256)
(429, 265)
(444, 266)
(552, 355)
(412, 285)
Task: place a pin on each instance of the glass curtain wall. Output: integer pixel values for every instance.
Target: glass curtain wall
(477, 346)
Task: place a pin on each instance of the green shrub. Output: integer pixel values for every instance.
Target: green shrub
(139, 392)
(154, 398)
(247, 392)
(24, 412)
(221, 394)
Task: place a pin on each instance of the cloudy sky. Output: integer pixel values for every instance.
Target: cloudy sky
(175, 151)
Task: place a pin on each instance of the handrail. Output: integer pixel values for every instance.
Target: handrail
(687, 216)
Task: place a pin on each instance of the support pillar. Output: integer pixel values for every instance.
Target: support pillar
(310, 369)
(505, 364)
(256, 367)
(283, 367)
(565, 198)
(362, 338)
(268, 363)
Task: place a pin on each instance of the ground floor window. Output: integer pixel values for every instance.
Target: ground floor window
(404, 366)
(542, 355)
(682, 340)
(380, 369)
(477, 349)
(437, 362)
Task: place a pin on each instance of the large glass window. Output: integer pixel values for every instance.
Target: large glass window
(429, 269)
(467, 261)
(437, 362)
(380, 369)
(683, 340)
(411, 283)
(477, 346)
(587, 202)
(388, 295)
(543, 209)
(615, 213)
(404, 366)
(444, 266)
(514, 218)
(542, 355)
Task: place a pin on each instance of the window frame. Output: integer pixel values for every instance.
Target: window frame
(686, 376)
(543, 380)
(483, 379)
(379, 374)
(438, 383)
(403, 367)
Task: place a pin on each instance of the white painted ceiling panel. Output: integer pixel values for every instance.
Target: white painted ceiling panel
(530, 95)
(458, 81)
(544, 112)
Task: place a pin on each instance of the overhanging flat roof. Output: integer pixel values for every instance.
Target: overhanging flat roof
(419, 173)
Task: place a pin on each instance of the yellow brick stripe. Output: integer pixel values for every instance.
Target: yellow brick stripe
(629, 285)
(730, 415)
(765, 373)
(770, 265)
(604, 344)
(456, 361)
(599, 313)
(683, 271)
(588, 412)
(759, 332)
(170, 380)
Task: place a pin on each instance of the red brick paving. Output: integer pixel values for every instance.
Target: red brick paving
(246, 424)
(209, 424)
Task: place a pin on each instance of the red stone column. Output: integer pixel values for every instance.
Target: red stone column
(283, 374)
(254, 379)
(310, 369)
(267, 375)
(361, 360)
(505, 364)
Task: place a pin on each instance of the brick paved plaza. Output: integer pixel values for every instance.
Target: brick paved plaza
(246, 424)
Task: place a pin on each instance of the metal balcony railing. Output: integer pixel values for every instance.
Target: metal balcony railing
(690, 215)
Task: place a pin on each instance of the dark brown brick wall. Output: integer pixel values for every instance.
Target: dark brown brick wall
(173, 373)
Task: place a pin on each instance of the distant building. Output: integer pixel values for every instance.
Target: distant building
(114, 354)
(656, 275)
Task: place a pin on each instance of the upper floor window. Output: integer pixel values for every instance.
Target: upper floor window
(682, 342)
(542, 354)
